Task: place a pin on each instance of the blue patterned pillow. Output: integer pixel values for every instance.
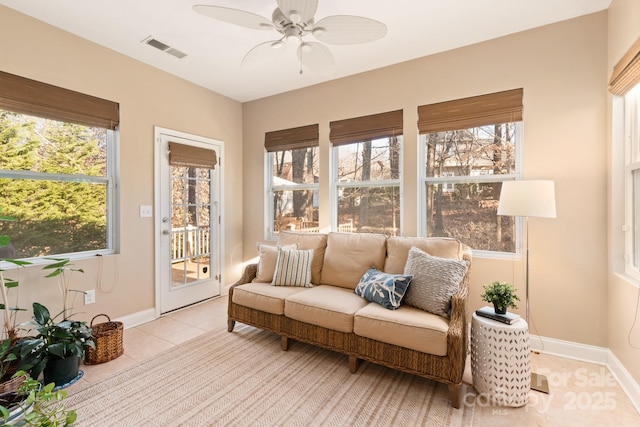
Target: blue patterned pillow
(383, 288)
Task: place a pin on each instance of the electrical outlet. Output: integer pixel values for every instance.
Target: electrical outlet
(90, 297)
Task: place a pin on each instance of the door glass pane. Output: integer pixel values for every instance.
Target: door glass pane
(190, 225)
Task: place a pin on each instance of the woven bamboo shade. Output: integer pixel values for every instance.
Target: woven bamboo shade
(291, 139)
(626, 73)
(366, 128)
(493, 108)
(26, 96)
(190, 156)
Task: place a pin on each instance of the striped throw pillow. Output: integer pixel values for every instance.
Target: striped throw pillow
(293, 268)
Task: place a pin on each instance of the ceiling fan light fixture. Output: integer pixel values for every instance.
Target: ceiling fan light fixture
(294, 21)
(292, 34)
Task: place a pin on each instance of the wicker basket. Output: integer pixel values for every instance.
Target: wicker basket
(108, 339)
(12, 385)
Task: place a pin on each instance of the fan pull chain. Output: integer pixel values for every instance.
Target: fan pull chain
(301, 61)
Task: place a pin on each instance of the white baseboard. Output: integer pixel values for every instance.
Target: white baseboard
(135, 319)
(568, 349)
(627, 382)
(592, 354)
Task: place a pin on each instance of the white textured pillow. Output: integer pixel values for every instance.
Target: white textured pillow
(293, 268)
(435, 280)
(267, 263)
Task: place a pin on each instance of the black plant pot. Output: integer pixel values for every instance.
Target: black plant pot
(499, 310)
(61, 371)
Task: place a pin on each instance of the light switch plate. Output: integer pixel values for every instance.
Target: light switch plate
(146, 211)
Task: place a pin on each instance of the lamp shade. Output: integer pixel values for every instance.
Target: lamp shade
(530, 198)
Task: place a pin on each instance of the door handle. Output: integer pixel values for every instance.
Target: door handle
(165, 232)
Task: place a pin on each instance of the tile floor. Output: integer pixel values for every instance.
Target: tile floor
(147, 340)
(582, 394)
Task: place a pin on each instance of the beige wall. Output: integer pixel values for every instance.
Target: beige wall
(148, 97)
(623, 31)
(562, 68)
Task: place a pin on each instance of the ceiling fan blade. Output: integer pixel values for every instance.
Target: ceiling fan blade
(348, 29)
(317, 57)
(234, 16)
(305, 9)
(262, 53)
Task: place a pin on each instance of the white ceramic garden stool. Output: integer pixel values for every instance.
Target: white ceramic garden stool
(500, 361)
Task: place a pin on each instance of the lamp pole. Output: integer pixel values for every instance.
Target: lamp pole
(526, 267)
(525, 199)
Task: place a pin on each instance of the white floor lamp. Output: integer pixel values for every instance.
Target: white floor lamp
(529, 198)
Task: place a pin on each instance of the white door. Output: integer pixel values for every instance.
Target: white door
(187, 220)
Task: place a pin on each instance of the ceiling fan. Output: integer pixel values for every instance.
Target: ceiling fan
(294, 21)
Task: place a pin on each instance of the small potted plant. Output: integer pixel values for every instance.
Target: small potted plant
(502, 295)
(57, 347)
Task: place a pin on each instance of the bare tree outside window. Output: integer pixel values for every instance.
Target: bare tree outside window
(464, 174)
(294, 189)
(368, 186)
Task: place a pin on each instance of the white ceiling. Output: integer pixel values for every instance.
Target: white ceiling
(215, 49)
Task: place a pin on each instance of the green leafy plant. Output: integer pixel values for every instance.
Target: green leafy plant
(6, 356)
(501, 294)
(62, 269)
(42, 406)
(52, 340)
(9, 331)
(9, 317)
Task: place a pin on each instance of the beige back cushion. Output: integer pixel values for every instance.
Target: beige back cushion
(315, 241)
(268, 255)
(398, 250)
(350, 255)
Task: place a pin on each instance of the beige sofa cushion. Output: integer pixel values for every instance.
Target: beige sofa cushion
(398, 250)
(268, 256)
(407, 327)
(263, 296)
(350, 255)
(315, 241)
(327, 306)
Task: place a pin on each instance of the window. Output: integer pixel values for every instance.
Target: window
(366, 171)
(468, 147)
(625, 83)
(58, 182)
(292, 180)
(632, 181)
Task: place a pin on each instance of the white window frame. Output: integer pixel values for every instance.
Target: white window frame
(423, 180)
(336, 185)
(631, 226)
(112, 179)
(270, 189)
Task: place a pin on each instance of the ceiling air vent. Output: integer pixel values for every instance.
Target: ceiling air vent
(164, 47)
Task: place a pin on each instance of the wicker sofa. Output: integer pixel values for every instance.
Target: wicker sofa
(332, 316)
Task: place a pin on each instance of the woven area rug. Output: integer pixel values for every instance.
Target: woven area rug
(244, 378)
